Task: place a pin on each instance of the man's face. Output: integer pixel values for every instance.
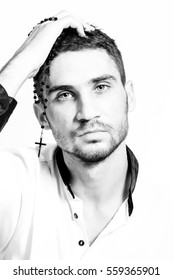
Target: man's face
(87, 104)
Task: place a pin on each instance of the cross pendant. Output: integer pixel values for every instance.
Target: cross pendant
(40, 144)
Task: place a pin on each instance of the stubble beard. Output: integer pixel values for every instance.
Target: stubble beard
(94, 155)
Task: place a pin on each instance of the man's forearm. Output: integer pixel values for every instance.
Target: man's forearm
(14, 74)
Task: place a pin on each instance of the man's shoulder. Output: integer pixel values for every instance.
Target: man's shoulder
(16, 153)
(25, 155)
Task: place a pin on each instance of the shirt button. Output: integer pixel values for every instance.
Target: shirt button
(76, 216)
(81, 242)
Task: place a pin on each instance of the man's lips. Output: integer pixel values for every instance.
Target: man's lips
(90, 132)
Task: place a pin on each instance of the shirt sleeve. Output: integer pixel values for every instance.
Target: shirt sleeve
(7, 105)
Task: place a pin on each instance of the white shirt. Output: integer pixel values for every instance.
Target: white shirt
(39, 218)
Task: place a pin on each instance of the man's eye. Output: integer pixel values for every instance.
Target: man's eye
(101, 88)
(64, 96)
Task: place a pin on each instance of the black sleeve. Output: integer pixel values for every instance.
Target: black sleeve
(7, 105)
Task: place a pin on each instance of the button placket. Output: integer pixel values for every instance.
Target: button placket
(76, 206)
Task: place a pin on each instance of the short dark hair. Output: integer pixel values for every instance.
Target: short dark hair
(69, 40)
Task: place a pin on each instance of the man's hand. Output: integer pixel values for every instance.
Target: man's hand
(31, 55)
(39, 43)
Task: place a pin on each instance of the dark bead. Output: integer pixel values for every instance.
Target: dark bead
(47, 86)
(41, 89)
(45, 100)
(44, 113)
(35, 97)
(45, 107)
(43, 83)
(42, 126)
(35, 91)
(55, 18)
(37, 101)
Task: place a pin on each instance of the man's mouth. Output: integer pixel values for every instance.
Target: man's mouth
(91, 132)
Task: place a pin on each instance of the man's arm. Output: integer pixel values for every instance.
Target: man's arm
(28, 59)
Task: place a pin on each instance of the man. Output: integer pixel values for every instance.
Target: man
(75, 200)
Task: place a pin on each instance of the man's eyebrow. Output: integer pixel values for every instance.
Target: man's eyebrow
(102, 78)
(60, 87)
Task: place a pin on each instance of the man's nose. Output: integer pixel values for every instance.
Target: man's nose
(87, 108)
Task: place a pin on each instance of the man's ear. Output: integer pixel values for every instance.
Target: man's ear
(39, 112)
(130, 95)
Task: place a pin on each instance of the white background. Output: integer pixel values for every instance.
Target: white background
(143, 30)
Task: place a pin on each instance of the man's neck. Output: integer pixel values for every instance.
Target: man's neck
(101, 182)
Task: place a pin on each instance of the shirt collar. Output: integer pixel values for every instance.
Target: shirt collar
(133, 168)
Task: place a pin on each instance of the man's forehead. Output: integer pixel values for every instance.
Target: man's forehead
(82, 65)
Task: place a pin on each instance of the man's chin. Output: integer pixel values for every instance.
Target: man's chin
(93, 155)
